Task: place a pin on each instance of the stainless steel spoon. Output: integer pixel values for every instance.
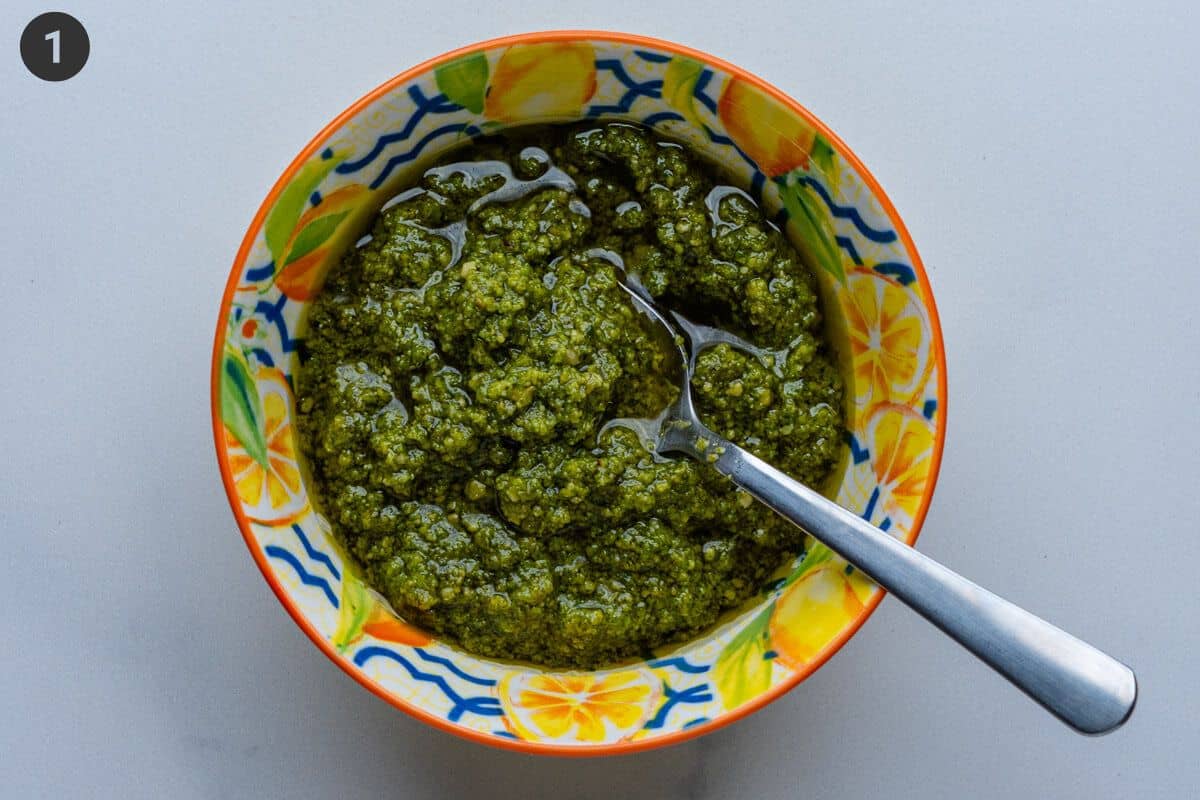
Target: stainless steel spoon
(1085, 688)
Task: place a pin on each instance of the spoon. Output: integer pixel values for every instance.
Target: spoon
(1085, 688)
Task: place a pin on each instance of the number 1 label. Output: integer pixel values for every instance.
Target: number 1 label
(55, 46)
(55, 54)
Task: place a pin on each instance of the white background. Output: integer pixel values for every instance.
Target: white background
(1046, 161)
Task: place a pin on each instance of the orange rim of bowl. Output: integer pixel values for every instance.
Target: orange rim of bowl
(260, 558)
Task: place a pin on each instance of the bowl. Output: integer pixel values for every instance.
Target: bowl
(876, 296)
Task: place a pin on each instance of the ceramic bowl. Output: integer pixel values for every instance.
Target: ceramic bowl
(875, 292)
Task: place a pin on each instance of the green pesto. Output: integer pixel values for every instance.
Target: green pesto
(460, 366)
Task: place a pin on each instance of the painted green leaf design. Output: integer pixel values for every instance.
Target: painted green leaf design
(314, 235)
(464, 81)
(742, 670)
(291, 204)
(353, 611)
(807, 213)
(241, 407)
(679, 85)
(822, 157)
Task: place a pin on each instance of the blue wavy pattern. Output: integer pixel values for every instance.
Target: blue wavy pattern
(717, 138)
(848, 212)
(682, 664)
(306, 578)
(694, 722)
(315, 554)
(847, 244)
(255, 274)
(652, 57)
(857, 452)
(930, 408)
(757, 182)
(692, 694)
(483, 706)
(425, 106)
(870, 509)
(698, 92)
(273, 313)
(615, 66)
(903, 273)
(415, 152)
(661, 117)
(450, 665)
(263, 355)
(635, 89)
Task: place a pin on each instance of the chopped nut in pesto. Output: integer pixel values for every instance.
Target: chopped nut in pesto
(459, 367)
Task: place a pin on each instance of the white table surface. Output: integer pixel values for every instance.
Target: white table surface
(1047, 164)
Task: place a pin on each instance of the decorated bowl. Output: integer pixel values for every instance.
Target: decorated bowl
(874, 290)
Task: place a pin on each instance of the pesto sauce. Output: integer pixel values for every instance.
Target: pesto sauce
(461, 363)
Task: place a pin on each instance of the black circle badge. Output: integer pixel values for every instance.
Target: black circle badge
(55, 46)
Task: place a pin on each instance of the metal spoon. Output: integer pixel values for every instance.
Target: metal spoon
(1085, 688)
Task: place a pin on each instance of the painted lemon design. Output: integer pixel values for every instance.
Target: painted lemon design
(541, 81)
(579, 707)
(889, 340)
(814, 610)
(778, 139)
(270, 490)
(901, 444)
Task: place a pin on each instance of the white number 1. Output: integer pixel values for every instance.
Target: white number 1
(52, 37)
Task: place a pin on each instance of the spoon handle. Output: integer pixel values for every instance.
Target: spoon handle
(1085, 688)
